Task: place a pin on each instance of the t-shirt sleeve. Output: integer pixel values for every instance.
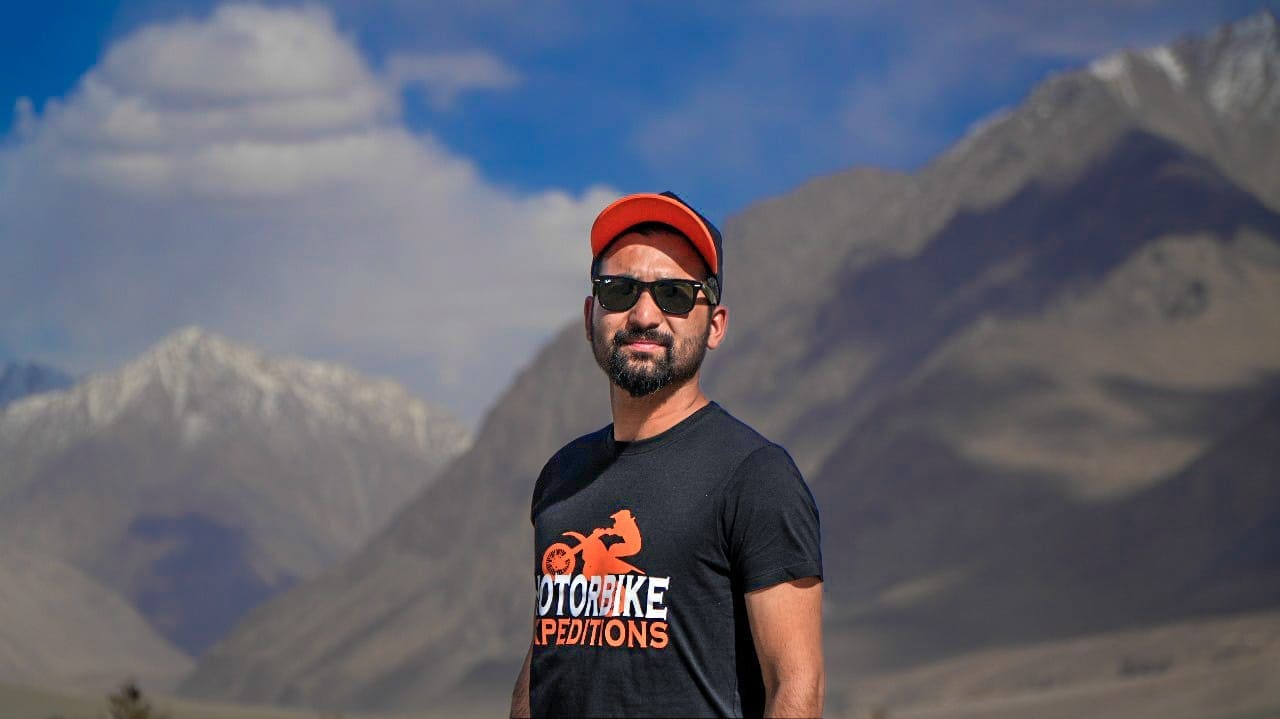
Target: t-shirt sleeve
(539, 488)
(771, 521)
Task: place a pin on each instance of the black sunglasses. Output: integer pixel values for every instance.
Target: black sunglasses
(676, 297)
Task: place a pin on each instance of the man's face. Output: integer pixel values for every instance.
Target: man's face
(644, 349)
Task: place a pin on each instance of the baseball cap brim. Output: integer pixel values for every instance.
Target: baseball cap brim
(650, 207)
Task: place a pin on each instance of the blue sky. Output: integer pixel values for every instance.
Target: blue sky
(492, 119)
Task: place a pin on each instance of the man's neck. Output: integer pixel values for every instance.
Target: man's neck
(643, 417)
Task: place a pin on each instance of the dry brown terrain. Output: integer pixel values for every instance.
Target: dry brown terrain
(57, 623)
(1225, 668)
(24, 702)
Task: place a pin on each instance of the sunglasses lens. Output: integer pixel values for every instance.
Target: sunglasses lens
(676, 298)
(617, 294)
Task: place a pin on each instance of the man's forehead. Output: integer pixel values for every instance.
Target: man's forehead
(659, 252)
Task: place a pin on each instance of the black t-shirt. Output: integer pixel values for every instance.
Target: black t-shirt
(643, 551)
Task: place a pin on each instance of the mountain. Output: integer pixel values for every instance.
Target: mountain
(19, 379)
(57, 623)
(203, 477)
(831, 229)
(1011, 379)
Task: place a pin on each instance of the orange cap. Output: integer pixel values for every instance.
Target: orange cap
(666, 208)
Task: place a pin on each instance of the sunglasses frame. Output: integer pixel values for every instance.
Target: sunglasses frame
(708, 287)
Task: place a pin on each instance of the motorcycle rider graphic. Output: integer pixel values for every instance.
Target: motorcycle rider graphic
(597, 558)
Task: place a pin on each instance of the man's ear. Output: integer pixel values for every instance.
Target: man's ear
(719, 324)
(586, 317)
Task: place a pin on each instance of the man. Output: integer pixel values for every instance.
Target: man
(716, 608)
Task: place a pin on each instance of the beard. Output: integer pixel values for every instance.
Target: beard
(639, 377)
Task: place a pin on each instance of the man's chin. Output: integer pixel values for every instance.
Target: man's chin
(642, 360)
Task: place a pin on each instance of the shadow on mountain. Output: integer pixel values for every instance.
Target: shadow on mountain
(204, 582)
(1183, 412)
(1013, 259)
(1203, 542)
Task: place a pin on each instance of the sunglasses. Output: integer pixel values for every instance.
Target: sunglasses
(675, 297)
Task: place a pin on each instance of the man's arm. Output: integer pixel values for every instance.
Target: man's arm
(520, 694)
(786, 625)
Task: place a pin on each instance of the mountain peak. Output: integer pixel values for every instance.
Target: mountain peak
(1236, 68)
(1262, 22)
(1217, 93)
(190, 336)
(196, 344)
(193, 360)
(193, 372)
(1243, 64)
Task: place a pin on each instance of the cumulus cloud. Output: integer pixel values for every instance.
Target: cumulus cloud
(250, 172)
(443, 76)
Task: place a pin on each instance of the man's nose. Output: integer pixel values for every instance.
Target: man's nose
(645, 313)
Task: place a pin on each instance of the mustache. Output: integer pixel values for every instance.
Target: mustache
(649, 335)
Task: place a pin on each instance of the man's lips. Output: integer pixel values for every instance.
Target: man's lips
(645, 346)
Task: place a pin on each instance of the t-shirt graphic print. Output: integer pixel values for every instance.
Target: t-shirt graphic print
(643, 554)
(608, 602)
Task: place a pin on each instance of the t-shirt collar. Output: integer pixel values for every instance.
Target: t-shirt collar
(658, 440)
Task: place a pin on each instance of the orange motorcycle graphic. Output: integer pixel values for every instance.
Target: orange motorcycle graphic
(598, 558)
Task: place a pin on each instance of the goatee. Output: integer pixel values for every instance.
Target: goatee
(640, 378)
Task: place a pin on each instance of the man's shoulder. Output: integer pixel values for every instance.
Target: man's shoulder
(585, 446)
(578, 453)
(753, 458)
(734, 435)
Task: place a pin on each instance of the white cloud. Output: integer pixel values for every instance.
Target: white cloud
(244, 53)
(443, 76)
(251, 173)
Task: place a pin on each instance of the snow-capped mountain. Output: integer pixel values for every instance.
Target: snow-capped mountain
(20, 379)
(1236, 69)
(204, 380)
(1217, 95)
(204, 476)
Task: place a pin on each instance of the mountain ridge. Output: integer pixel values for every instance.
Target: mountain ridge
(57, 622)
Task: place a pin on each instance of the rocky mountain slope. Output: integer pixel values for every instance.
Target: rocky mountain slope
(56, 623)
(204, 476)
(1013, 380)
